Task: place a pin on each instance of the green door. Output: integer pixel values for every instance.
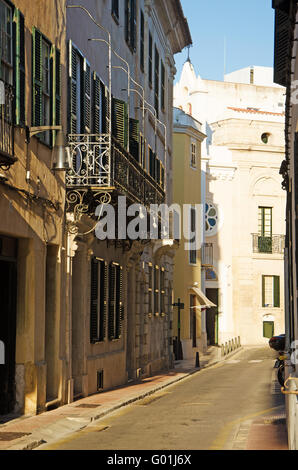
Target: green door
(268, 329)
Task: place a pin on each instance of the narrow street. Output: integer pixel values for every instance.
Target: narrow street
(212, 410)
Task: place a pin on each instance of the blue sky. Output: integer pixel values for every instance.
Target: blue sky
(247, 28)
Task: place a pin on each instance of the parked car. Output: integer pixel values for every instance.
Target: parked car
(277, 342)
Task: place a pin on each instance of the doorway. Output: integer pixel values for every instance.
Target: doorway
(212, 318)
(8, 293)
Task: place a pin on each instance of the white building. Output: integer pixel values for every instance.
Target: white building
(243, 118)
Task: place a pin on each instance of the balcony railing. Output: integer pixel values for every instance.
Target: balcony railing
(94, 166)
(7, 126)
(273, 244)
(207, 255)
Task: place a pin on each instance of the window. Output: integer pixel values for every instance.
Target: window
(150, 60)
(156, 289)
(130, 24)
(162, 291)
(265, 137)
(211, 219)
(193, 252)
(98, 300)
(150, 289)
(120, 121)
(6, 43)
(12, 57)
(46, 85)
(134, 139)
(270, 291)
(265, 229)
(115, 10)
(156, 82)
(142, 41)
(152, 164)
(193, 160)
(116, 308)
(268, 329)
(162, 86)
(80, 93)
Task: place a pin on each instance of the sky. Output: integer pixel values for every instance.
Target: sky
(245, 27)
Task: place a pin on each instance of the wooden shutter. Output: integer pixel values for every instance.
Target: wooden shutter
(162, 88)
(134, 138)
(119, 302)
(94, 302)
(19, 66)
(37, 78)
(133, 24)
(104, 107)
(162, 290)
(142, 41)
(112, 301)
(150, 45)
(152, 164)
(119, 121)
(282, 47)
(55, 89)
(276, 287)
(162, 176)
(126, 20)
(156, 289)
(72, 90)
(157, 170)
(103, 299)
(87, 97)
(96, 105)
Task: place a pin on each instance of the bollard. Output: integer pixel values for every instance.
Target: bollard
(197, 360)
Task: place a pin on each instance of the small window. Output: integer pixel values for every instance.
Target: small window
(193, 252)
(193, 160)
(265, 137)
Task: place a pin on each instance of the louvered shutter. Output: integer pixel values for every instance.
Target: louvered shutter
(87, 97)
(19, 66)
(119, 121)
(276, 291)
(281, 47)
(152, 163)
(94, 333)
(112, 301)
(96, 105)
(37, 78)
(134, 138)
(119, 302)
(56, 89)
(72, 90)
(157, 171)
(162, 176)
(104, 296)
(133, 24)
(126, 20)
(104, 107)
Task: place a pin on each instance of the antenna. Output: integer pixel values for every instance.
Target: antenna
(225, 55)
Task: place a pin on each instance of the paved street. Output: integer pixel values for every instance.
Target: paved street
(228, 406)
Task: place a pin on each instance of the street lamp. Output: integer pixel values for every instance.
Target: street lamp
(61, 153)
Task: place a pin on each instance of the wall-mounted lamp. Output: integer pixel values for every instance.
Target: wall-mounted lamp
(61, 153)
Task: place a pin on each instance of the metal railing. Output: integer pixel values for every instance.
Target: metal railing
(7, 127)
(230, 346)
(273, 244)
(207, 255)
(97, 165)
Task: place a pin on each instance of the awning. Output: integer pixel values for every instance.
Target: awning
(203, 301)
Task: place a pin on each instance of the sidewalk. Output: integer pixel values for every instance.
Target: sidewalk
(29, 432)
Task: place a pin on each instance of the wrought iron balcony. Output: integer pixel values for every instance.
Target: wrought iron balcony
(207, 255)
(7, 156)
(273, 244)
(96, 165)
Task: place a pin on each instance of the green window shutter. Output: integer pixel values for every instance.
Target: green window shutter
(112, 302)
(19, 66)
(96, 105)
(94, 333)
(276, 291)
(152, 164)
(134, 138)
(142, 40)
(37, 78)
(133, 24)
(55, 90)
(263, 291)
(126, 20)
(119, 121)
(87, 97)
(72, 89)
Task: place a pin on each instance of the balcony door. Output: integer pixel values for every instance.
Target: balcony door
(265, 229)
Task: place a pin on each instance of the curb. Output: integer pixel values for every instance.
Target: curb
(35, 443)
